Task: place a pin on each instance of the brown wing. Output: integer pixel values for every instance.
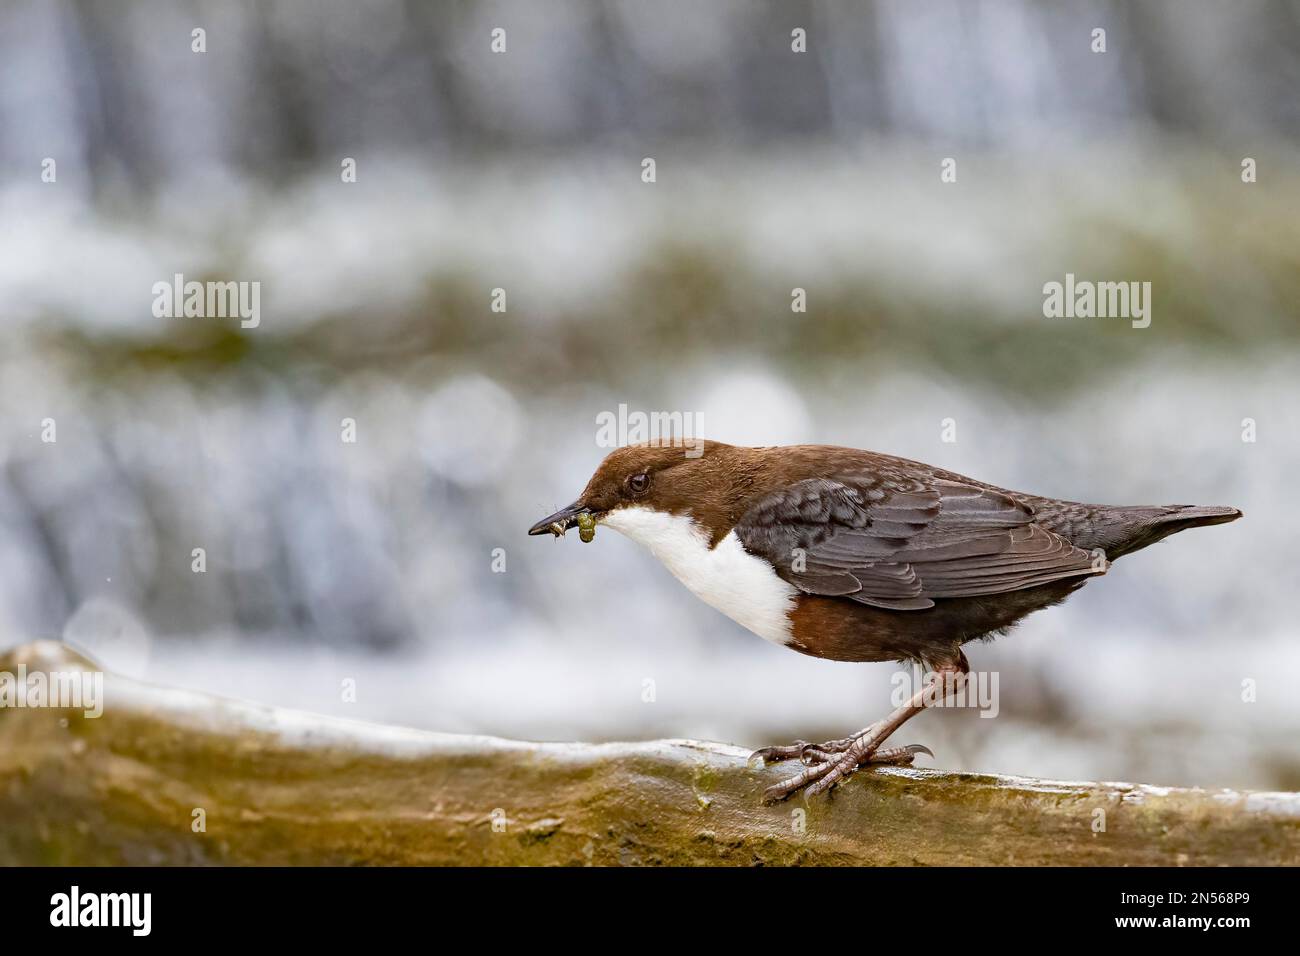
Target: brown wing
(900, 542)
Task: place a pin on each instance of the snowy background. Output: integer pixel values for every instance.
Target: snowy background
(373, 561)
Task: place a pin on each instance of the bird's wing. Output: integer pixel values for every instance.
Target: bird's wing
(899, 542)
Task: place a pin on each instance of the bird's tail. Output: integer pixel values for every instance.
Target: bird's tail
(1132, 528)
(1193, 516)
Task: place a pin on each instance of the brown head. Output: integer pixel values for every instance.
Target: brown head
(708, 481)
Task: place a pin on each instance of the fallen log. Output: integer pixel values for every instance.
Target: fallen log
(166, 776)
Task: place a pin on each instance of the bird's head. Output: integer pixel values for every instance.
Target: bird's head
(704, 480)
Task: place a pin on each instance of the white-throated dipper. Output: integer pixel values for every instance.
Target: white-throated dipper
(851, 555)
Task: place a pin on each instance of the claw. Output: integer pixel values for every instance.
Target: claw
(899, 756)
(777, 754)
(911, 750)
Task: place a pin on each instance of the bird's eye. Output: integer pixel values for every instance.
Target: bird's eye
(638, 484)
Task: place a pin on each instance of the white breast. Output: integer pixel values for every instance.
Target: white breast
(741, 586)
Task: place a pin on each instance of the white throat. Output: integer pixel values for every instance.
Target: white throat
(729, 578)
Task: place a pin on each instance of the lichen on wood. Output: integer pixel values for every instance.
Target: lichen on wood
(166, 776)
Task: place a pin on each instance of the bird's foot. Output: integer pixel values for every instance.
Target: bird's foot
(827, 764)
(804, 751)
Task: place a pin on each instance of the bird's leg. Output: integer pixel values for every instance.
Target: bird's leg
(830, 763)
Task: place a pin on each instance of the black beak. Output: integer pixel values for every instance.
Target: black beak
(559, 522)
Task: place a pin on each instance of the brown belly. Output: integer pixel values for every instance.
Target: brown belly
(838, 629)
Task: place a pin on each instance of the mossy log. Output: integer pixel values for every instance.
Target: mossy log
(174, 777)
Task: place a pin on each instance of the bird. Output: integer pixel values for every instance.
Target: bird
(852, 555)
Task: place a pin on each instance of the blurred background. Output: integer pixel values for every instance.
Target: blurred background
(374, 562)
